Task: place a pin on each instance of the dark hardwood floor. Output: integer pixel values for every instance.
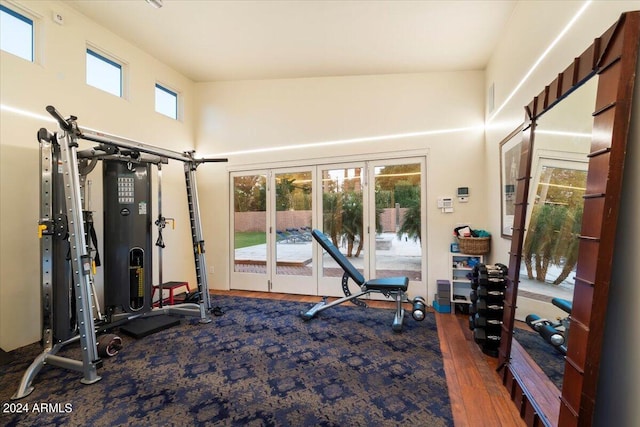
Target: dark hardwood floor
(477, 395)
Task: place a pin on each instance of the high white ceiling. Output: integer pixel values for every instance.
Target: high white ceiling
(235, 40)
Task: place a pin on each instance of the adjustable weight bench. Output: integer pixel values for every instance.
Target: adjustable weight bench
(395, 287)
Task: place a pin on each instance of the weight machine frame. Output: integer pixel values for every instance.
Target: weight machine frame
(110, 146)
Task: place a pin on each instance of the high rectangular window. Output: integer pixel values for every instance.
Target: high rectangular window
(16, 33)
(166, 102)
(104, 73)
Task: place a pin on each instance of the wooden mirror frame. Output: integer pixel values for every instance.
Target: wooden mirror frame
(613, 57)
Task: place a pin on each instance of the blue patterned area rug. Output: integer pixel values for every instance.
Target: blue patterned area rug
(259, 364)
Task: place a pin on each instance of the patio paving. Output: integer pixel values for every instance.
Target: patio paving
(401, 258)
(288, 254)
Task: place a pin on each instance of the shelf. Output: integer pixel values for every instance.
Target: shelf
(461, 284)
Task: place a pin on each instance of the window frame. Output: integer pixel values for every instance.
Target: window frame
(164, 88)
(28, 19)
(101, 55)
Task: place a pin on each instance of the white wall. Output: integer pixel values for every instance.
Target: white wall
(250, 115)
(58, 78)
(531, 29)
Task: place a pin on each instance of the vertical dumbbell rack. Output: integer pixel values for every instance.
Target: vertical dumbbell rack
(488, 286)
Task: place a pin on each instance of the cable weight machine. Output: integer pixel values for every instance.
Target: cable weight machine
(69, 250)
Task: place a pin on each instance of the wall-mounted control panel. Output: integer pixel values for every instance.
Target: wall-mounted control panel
(445, 204)
(463, 194)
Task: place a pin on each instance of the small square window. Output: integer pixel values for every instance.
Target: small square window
(166, 102)
(16, 33)
(104, 73)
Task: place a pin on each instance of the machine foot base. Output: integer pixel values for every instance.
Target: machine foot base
(143, 326)
(93, 381)
(26, 393)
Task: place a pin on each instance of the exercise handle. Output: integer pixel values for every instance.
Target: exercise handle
(61, 121)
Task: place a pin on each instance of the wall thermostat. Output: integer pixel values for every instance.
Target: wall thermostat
(463, 194)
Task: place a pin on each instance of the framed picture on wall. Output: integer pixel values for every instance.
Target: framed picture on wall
(510, 149)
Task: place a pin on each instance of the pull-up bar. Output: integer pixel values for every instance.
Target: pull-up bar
(70, 125)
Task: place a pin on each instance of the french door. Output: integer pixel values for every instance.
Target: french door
(271, 223)
(372, 211)
(250, 250)
(343, 201)
(290, 238)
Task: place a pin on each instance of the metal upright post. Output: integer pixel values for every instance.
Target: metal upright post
(46, 239)
(198, 240)
(160, 223)
(46, 229)
(80, 258)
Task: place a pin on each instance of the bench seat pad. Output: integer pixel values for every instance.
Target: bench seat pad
(400, 283)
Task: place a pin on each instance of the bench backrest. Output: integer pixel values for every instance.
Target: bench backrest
(335, 253)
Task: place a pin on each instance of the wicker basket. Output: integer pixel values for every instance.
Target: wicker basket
(474, 245)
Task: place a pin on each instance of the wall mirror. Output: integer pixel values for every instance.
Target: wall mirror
(573, 147)
(562, 140)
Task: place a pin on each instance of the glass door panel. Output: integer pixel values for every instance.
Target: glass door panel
(550, 248)
(398, 224)
(250, 250)
(343, 220)
(292, 240)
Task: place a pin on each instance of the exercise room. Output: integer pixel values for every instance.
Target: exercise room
(305, 213)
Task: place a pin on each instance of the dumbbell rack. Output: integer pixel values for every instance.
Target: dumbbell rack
(488, 286)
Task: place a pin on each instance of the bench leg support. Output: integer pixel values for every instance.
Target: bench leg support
(399, 317)
(322, 305)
